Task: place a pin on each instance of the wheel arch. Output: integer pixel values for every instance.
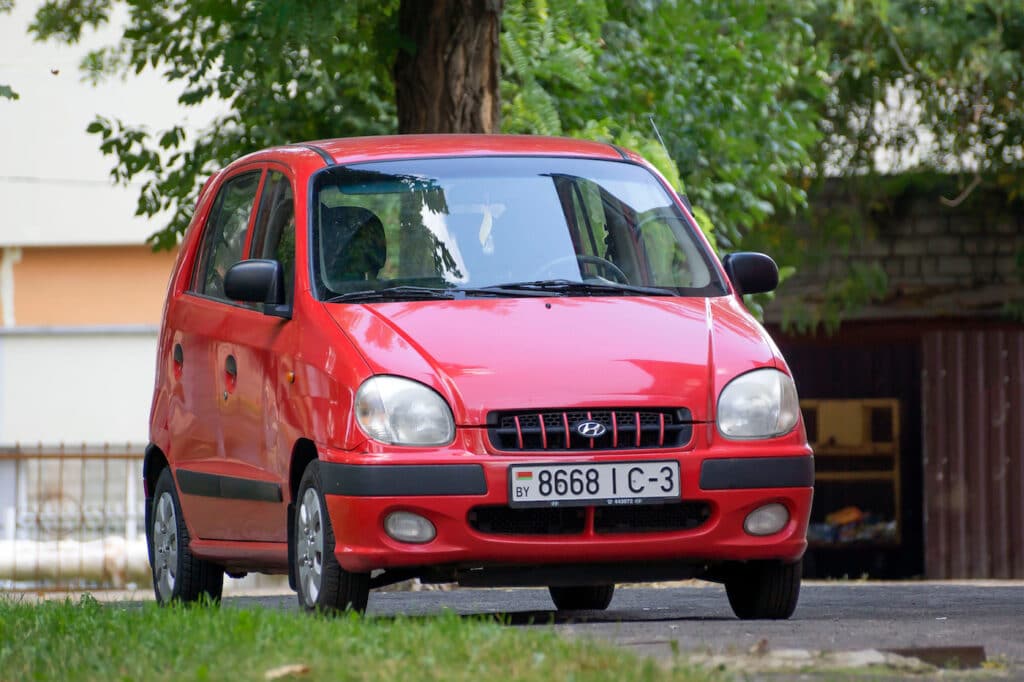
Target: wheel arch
(303, 452)
(153, 463)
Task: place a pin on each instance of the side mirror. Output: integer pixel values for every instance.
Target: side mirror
(256, 280)
(751, 273)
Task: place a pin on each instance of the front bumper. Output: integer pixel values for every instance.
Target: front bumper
(361, 493)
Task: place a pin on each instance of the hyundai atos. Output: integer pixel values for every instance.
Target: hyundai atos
(490, 360)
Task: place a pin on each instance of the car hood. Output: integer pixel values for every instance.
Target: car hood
(561, 352)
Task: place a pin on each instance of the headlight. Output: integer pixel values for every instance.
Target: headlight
(758, 404)
(400, 411)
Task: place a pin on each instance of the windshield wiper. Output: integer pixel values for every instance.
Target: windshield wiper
(414, 293)
(399, 293)
(567, 287)
(499, 290)
(544, 287)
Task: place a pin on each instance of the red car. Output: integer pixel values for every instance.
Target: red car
(491, 360)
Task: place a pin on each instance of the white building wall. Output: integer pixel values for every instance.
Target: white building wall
(76, 385)
(55, 187)
(67, 384)
(81, 386)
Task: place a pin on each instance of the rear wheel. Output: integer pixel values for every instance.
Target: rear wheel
(764, 590)
(177, 574)
(322, 584)
(582, 597)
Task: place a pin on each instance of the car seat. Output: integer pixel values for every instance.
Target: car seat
(354, 245)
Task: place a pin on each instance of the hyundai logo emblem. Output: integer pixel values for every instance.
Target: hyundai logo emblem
(590, 429)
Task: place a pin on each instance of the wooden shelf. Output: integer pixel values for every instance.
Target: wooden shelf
(853, 430)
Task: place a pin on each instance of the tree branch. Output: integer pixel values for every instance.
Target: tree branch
(896, 46)
(953, 203)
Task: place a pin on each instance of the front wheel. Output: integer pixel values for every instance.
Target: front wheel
(582, 597)
(322, 584)
(764, 590)
(178, 575)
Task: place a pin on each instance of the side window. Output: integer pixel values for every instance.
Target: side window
(225, 233)
(274, 233)
(670, 255)
(590, 218)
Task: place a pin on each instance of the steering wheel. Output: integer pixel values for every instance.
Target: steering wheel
(583, 259)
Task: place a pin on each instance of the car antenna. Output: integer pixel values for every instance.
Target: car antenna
(661, 140)
(657, 134)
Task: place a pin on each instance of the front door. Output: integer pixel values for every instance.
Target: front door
(254, 354)
(209, 484)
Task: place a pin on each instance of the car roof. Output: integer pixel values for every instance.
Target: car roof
(356, 149)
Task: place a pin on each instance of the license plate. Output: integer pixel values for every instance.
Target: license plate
(607, 483)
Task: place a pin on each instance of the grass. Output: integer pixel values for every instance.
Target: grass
(89, 641)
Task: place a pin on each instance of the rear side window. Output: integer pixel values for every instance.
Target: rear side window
(225, 234)
(274, 232)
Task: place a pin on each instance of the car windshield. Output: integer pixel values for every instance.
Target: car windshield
(502, 226)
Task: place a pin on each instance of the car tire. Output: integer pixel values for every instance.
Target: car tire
(321, 583)
(764, 590)
(178, 575)
(582, 597)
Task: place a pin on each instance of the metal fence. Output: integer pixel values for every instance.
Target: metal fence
(72, 517)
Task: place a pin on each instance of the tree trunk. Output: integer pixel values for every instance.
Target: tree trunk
(447, 78)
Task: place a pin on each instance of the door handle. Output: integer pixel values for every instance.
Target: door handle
(230, 375)
(178, 356)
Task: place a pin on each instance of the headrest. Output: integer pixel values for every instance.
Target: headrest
(354, 245)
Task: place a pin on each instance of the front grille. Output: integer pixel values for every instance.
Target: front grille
(531, 521)
(642, 518)
(651, 517)
(624, 429)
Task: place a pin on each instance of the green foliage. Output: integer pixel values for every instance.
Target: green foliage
(728, 93)
(951, 72)
(729, 82)
(915, 86)
(288, 71)
(865, 283)
(544, 61)
(91, 641)
(757, 99)
(730, 96)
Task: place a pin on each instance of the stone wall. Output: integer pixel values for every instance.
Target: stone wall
(939, 260)
(935, 245)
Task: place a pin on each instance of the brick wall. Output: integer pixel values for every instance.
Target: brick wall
(935, 245)
(939, 260)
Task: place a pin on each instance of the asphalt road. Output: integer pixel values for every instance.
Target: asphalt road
(830, 617)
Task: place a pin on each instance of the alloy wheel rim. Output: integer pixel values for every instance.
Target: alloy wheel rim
(309, 546)
(165, 546)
